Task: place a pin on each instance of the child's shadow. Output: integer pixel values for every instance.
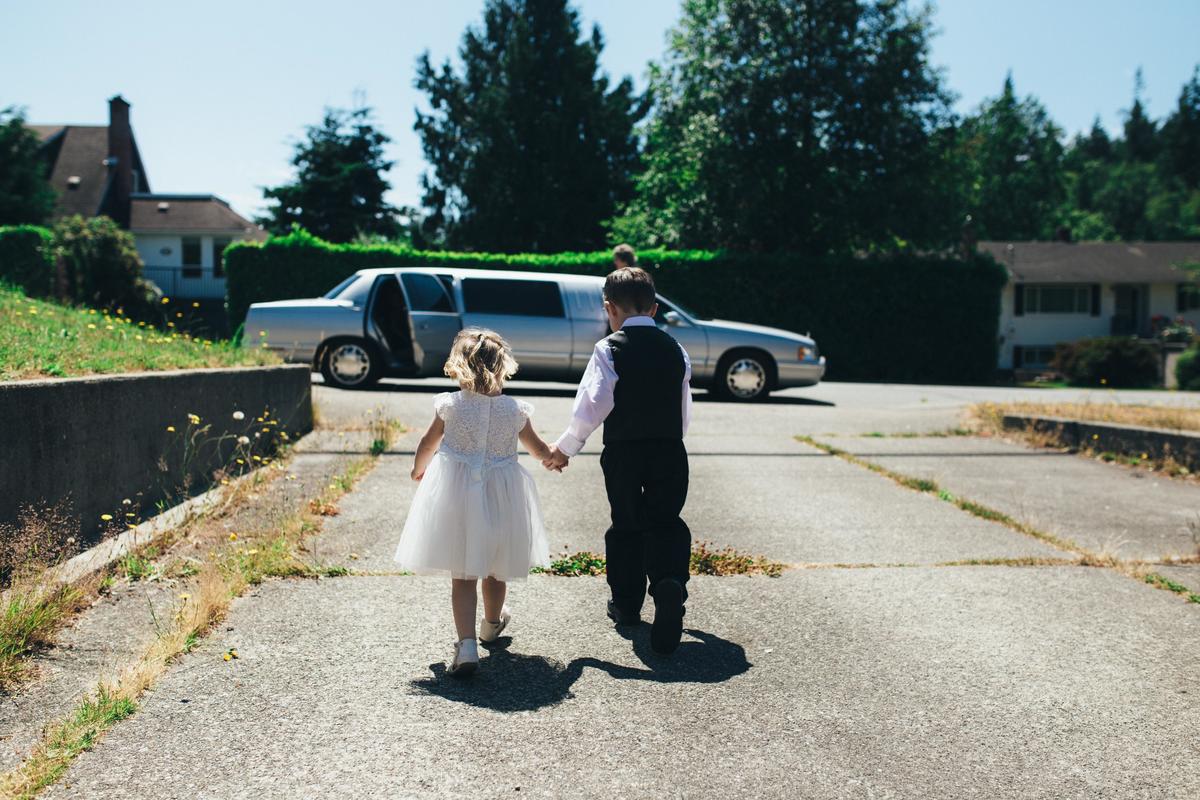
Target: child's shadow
(510, 682)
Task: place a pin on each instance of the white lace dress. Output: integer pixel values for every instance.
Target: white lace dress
(476, 512)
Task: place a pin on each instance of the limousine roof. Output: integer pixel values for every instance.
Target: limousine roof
(464, 272)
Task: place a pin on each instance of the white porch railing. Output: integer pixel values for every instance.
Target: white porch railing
(187, 283)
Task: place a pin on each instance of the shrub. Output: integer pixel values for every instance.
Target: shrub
(27, 258)
(101, 266)
(897, 318)
(1110, 361)
(1187, 370)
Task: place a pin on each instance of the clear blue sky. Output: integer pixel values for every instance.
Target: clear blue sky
(220, 89)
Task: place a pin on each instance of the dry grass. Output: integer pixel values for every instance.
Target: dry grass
(238, 562)
(1172, 418)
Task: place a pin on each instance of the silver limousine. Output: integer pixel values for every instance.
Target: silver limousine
(400, 323)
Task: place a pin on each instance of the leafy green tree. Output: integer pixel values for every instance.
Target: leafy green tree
(796, 125)
(1015, 157)
(338, 190)
(529, 147)
(25, 194)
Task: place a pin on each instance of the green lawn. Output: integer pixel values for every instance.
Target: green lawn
(40, 339)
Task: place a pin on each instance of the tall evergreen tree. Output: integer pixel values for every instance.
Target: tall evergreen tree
(796, 125)
(1016, 161)
(1181, 135)
(1141, 132)
(529, 147)
(338, 190)
(25, 194)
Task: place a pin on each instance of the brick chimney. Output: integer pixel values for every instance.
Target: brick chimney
(120, 162)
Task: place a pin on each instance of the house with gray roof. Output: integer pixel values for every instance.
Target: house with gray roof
(1062, 292)
(98, 170)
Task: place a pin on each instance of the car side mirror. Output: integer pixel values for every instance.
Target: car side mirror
(673, 319)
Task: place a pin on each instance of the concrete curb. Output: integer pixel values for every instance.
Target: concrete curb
(1131, 440)
(80, 445)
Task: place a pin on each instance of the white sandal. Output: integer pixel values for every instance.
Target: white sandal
(490, 631)
(466, 658)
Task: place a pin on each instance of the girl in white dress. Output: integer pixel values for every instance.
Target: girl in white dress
(476, 514)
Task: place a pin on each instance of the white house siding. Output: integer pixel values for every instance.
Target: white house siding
(1047, 330)
(162, 255)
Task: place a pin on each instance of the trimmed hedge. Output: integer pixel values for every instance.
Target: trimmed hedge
(1116, 361)
(901, 318)
(1187, 370)
(27, 258)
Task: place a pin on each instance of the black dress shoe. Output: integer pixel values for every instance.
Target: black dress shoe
(623, 617)
(668, 617)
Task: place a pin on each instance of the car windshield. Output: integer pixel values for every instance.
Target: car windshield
(671, 305)
(341, 287)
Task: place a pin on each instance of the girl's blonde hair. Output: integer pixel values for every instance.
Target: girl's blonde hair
(480, 360)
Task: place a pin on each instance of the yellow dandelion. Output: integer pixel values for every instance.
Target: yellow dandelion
(166, 300)
(178, 314)
(130, 514)
(108, 327)
(1103, 381)
(233, 652)
(227, 656)
(1144, 456)
(1095, 436)
(232, 537)
(138, 337)
(241, 461)
(257, 458)
(170, 324)
(195, 305)
(33, 311)
(106, 517)
(252, 552)
(224, 482)
(262, 333)
(91, 326)
(170, 429)
(184, 596)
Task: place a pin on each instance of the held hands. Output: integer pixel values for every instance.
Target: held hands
(556, 461)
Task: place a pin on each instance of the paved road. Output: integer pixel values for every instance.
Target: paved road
(853, 678)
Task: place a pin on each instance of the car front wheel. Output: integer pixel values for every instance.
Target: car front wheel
(350, 364)
(743, 376)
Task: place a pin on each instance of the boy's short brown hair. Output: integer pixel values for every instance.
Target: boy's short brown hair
(623, 255)
(630, 289)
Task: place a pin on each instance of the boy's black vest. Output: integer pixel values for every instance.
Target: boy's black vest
(648, 397)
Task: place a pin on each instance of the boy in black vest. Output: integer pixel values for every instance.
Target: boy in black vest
(636, 384)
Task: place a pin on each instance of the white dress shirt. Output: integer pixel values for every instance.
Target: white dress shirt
(594, 400)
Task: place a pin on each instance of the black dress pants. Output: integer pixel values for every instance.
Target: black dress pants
(647, 483)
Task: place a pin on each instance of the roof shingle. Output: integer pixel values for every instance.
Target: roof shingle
(1096, 262)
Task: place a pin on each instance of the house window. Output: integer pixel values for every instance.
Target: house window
(191, 258)
(1037, 356)
(1055, 298)
(218, 253)
(1187, 297)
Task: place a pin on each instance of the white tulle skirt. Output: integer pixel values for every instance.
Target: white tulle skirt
(474, 521)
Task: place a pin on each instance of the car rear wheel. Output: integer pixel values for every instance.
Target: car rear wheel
(350, 364)
(744, 376)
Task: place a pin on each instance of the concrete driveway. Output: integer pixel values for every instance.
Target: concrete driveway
(913, 650)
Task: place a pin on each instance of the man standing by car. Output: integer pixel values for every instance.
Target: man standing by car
(624, 256)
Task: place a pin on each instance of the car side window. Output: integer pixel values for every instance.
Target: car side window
(512, 297)
(426, 293)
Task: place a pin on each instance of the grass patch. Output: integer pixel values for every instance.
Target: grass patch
(39, 339)
(705, 560)
(1165, 417)
(1158, 581)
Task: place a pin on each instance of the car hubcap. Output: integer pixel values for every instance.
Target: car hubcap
(746, 378)
(349, 363)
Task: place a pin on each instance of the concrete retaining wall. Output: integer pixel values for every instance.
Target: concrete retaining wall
(1128, 440)
(83, 445)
